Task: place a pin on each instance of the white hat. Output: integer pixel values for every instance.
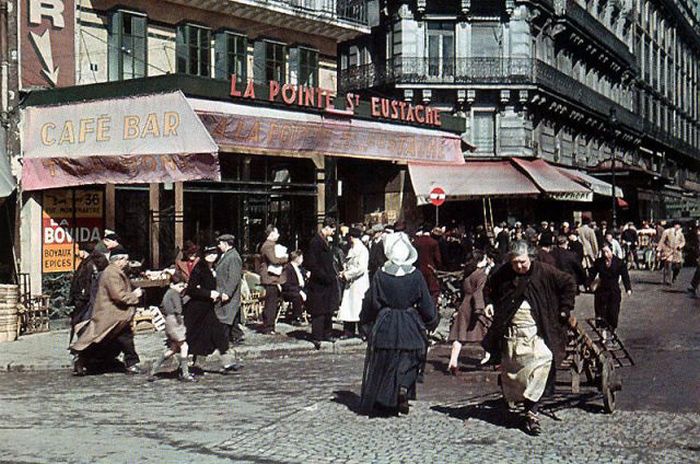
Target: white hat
(400, 254)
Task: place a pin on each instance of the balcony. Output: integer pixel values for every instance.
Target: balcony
(656, 133)
(336, 19)
(483, 71)
(597, 32)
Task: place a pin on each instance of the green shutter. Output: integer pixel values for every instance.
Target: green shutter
(114, 70)
(259, 61)
(139, 29)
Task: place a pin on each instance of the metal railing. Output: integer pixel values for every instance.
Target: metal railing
(353, 11)
(486, 70)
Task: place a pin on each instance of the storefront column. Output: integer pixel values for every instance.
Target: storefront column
(110, 206)
(31, 240)
(179, 215)
(331, 187)
(154, 215)
(319, 163)
(394, 197)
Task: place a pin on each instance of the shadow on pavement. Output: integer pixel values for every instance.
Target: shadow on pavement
(349, 399)
(493, 411)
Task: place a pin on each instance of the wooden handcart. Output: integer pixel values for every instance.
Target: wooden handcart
(597, 359)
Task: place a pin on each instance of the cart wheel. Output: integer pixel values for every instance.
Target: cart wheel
(608, 383)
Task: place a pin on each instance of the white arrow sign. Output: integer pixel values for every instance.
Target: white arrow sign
(43, 47)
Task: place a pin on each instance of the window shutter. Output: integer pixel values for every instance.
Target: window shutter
(259, 61)
(114, 47)
(221, 57)
(181, 49)
(294, 63)
(140, 32)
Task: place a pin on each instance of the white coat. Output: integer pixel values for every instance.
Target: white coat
(356, 272)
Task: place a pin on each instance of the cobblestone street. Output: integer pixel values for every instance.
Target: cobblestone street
(302, 408)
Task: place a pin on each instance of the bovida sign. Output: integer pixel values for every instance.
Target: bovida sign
(47, 40)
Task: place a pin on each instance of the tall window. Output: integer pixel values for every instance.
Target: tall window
(275, 62)
(441, 48)
(127, 46)
(193, 49)
(231, 56)
(487, 41)
(483, 131)
(308, 67)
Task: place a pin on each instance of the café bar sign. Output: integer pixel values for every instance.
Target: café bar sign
(150, 138)
(321, 99)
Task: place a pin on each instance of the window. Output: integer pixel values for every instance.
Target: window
(275, 62)
(193, 49)
(441, 48)
(127, 46)
(231, 56)
(308, 67)
(483, 126)
(487, 41)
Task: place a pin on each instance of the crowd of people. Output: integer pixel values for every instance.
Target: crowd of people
(519, 286)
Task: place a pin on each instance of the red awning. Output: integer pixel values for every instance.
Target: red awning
(475, 179)
(551, 181)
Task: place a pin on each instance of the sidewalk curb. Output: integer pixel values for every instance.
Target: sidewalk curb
(241, 353)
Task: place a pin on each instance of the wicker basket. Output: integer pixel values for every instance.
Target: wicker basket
(9, 320)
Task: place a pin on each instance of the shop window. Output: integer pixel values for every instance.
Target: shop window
(483, 131)
(231, 56)
(441, 48)
(193, 50)
(127, 46)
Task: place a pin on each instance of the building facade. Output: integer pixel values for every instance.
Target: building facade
(576, 82)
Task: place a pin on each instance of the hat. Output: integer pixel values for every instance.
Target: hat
(211, 250)
(225, 238)
(377, 228)
(190, 248)
(118, 253)
(400, 254)
(437, 231)
(110, 235)
(546, 240)
(355, 232)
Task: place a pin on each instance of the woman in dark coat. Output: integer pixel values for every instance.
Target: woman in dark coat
(470, 322)
(607, 296)
(395, 316)
(205, 333)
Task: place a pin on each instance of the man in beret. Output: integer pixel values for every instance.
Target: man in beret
(109, 330)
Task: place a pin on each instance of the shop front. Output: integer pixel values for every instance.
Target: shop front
(192, 160)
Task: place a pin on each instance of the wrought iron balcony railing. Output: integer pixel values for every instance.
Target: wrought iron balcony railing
(470, 71)
(354, 11)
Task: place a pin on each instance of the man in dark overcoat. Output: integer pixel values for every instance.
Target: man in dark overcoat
(532, 307)
(323, 295)
(229, 271)
(429, 259)
(567, 261)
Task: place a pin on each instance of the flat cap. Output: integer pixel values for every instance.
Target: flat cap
(225, 237)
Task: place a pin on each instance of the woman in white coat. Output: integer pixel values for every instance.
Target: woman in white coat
(356, 277)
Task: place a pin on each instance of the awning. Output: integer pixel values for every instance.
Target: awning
(250, 129)
(596, 185)
(151, 138)
(511, 177)
(474, 179)
(553, 183)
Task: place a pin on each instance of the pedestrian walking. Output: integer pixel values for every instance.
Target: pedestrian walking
(175, 331)
(471, 321)
(294, 286)
(588, 239)
(205, 332)
(356, 278)
(189, 259)
(670, 249)
(376, 249)
(609, 269)
(429, 259)
(395, 316)
(323, 296)
(273, 257)
(567, 261)
(229, 272)
(83, 290)
(528, 335)
(109, 330)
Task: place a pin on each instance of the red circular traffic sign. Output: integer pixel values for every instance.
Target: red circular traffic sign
(437, 196)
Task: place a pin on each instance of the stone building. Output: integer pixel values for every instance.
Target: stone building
(576, 82)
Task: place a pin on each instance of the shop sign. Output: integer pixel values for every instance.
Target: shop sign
(47, 43)
(321, 99)
(274, 136)
(153, 138)
(69, 217)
